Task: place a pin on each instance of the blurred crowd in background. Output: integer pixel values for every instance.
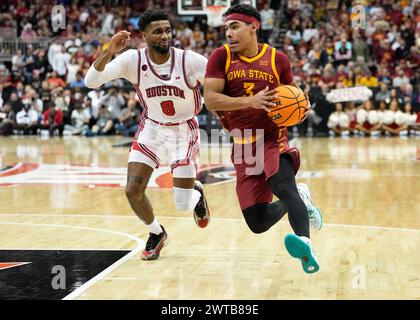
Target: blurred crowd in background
(42, 86)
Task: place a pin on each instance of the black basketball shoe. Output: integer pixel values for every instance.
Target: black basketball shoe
(154, 245)
(201, 210)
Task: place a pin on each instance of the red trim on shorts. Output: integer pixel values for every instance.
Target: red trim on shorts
(146, 151)
(192, 125)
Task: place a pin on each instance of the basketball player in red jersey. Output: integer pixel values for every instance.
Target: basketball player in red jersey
(239, 86)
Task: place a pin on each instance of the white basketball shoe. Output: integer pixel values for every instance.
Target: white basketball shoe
(314, 213)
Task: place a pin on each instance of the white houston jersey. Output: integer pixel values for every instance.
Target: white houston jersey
(170, 98)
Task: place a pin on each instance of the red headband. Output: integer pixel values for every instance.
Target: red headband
(243, 18)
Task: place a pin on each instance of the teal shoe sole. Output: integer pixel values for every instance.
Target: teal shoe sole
(299, 249)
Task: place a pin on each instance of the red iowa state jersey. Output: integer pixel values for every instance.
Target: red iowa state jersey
(247, 76)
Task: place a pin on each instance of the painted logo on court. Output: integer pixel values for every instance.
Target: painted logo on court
(92, 176)
(8, 265)
(96, 176)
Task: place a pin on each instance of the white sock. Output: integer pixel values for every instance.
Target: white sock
(154, 227)
(186, 199)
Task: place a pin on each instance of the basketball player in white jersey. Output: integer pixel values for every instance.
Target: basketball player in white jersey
(167, 83)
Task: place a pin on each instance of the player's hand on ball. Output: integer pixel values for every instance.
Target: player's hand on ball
(119, 41)
(263, 99)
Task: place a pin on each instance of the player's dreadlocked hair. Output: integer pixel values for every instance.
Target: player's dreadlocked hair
(151, 15)
(244, 9)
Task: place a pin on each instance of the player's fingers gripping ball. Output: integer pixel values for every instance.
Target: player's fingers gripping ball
(291, 106)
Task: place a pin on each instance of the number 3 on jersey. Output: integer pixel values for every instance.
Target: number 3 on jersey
(168, 107)
(248, 86)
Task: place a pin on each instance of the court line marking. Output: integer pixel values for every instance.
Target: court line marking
(116, 264)
(213, 218)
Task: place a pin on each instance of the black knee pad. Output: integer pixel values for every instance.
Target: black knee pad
(254, 217)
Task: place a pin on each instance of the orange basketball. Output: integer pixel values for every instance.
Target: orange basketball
(291, 106)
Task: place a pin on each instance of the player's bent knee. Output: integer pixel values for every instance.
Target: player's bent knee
(187, 171)
(253, 218)
(134, 191)
(257, 229)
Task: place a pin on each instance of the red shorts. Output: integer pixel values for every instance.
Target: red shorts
(367, 125)
(251, 184)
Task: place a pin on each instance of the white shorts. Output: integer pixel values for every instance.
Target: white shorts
(179, 143)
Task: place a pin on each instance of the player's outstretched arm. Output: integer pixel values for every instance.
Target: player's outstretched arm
(215, 100)
(101, 71)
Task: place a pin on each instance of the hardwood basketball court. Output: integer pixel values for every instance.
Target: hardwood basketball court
(62, 195)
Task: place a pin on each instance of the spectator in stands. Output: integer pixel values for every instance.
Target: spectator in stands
(198, 39)
(338, 122)
(350, 110)
(72, 69)
(407, 33)
(306, 9)
(28, 34)
(79, 121)
(310, 33)
(104, 124)
(314, 55)
(27, 119)
(350, 79)
(400, 79)
(294, 35)
(53, 50)
(53, 120)
(327, 54)
(369, 80)
(96, 96)
(45, 93)
(408, 94)
(16, 103)
(88, 111)
(7, 120)
(368, 120)
(394, 120)
(20, 90)
(381, 111)
(54, 80)
(395, 95)
(360, 48)
(78, 82)
(60, 62)
(384, 76)
(108, 24)
(402, 51)
(267, 23)
(43, 29)
(114, 102)
(342, 51)
(129, 119)
(29, 61)
(18, 63)
(410, 119)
